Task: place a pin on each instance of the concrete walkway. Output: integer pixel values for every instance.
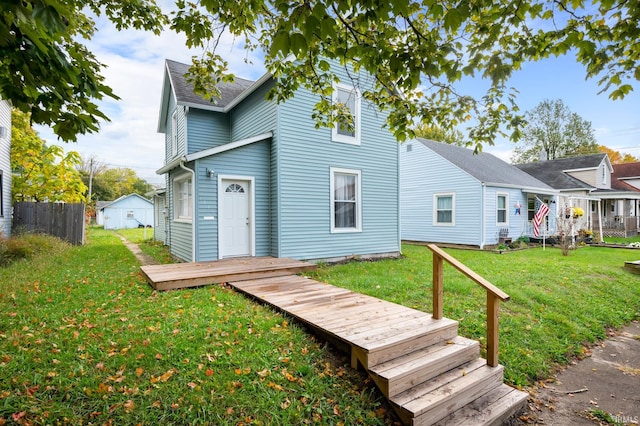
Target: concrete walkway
(607, 381)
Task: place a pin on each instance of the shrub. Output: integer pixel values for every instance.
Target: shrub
(25, 246)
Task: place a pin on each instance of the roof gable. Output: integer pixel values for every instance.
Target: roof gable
(122, 198)
(554, 172)
(483, 166)
(177, 86)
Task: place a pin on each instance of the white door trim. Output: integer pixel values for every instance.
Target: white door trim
(252, 211)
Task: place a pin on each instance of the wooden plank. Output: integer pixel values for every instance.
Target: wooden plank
(437, 285)
(468, 272)
(493, 306)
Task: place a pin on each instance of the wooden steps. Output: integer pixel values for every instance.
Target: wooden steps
(429, 374)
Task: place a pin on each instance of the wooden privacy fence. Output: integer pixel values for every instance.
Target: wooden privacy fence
(62, 220)
(494, 296)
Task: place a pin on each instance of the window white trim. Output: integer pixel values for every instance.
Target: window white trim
(333, 171)
(506, 208)
(453, 208)
(182, 199)
(174, 133)
(252, 211)
(335, 135)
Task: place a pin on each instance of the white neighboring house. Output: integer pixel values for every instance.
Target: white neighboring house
(5, 169)
(128, 211)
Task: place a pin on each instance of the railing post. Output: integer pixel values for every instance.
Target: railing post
(437, 286)
(493, 306)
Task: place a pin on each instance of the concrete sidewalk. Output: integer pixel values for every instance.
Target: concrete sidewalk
(608, 380)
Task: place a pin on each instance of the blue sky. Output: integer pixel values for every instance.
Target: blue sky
(135, 71)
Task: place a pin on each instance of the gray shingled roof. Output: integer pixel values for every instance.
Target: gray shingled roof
(184, 90)
(484, 166)
(552, 172)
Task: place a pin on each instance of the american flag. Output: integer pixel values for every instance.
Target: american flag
(541, 212)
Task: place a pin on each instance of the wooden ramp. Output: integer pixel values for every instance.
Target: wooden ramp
(429, 373)
(181, 275)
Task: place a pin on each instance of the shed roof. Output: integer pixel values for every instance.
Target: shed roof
(483, 166)
(123, 197)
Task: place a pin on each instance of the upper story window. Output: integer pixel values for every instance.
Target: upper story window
(501, 209)
(183, 199)
(344, 131)
(346, 201)
(604, 174)
(174, 133)
(444, 209)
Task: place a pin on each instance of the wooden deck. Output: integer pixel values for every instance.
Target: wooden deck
(180, 275)
(429, 373)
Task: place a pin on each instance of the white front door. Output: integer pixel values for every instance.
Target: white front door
(235, 218)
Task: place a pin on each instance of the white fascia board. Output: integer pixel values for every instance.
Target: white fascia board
(170, 165)
(247, 92)
(227, 147)
(546, 191)
(212, 107)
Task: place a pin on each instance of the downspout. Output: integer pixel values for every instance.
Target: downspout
(193, 208)
(482, 241)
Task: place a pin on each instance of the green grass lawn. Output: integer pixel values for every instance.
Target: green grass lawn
(136, 235)
(558, 304)
(85, 340)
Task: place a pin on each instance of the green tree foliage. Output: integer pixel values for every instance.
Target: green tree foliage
(418, 50)
(111, 183)
(616, 157)
(553, 131)
(439, 134)
(47, 71)
(42, 172)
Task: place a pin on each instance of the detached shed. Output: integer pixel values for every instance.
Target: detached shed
(128, 211)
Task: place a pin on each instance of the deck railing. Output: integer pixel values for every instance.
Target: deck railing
(494, 296)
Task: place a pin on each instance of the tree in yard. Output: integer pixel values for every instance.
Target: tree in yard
(616, 157)
(42, 172)
(553, 131)
(112, 183)
(415, 51)
(47, 71)
(438, 134)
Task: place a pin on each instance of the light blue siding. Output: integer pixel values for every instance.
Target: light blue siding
(180, 233)
(5, 170)
(207, 129)
(254, 115)
(516, 223)
(306, 155)
(423, 174)
(249, 161)
(128, 212)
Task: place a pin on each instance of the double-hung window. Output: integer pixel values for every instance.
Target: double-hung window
(444, 209)
(183, 199)
(501, 209)
(346, 200)
(347, 129)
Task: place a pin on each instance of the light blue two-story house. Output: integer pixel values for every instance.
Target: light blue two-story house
(5, 169)
(451, 195)
(250, 177)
